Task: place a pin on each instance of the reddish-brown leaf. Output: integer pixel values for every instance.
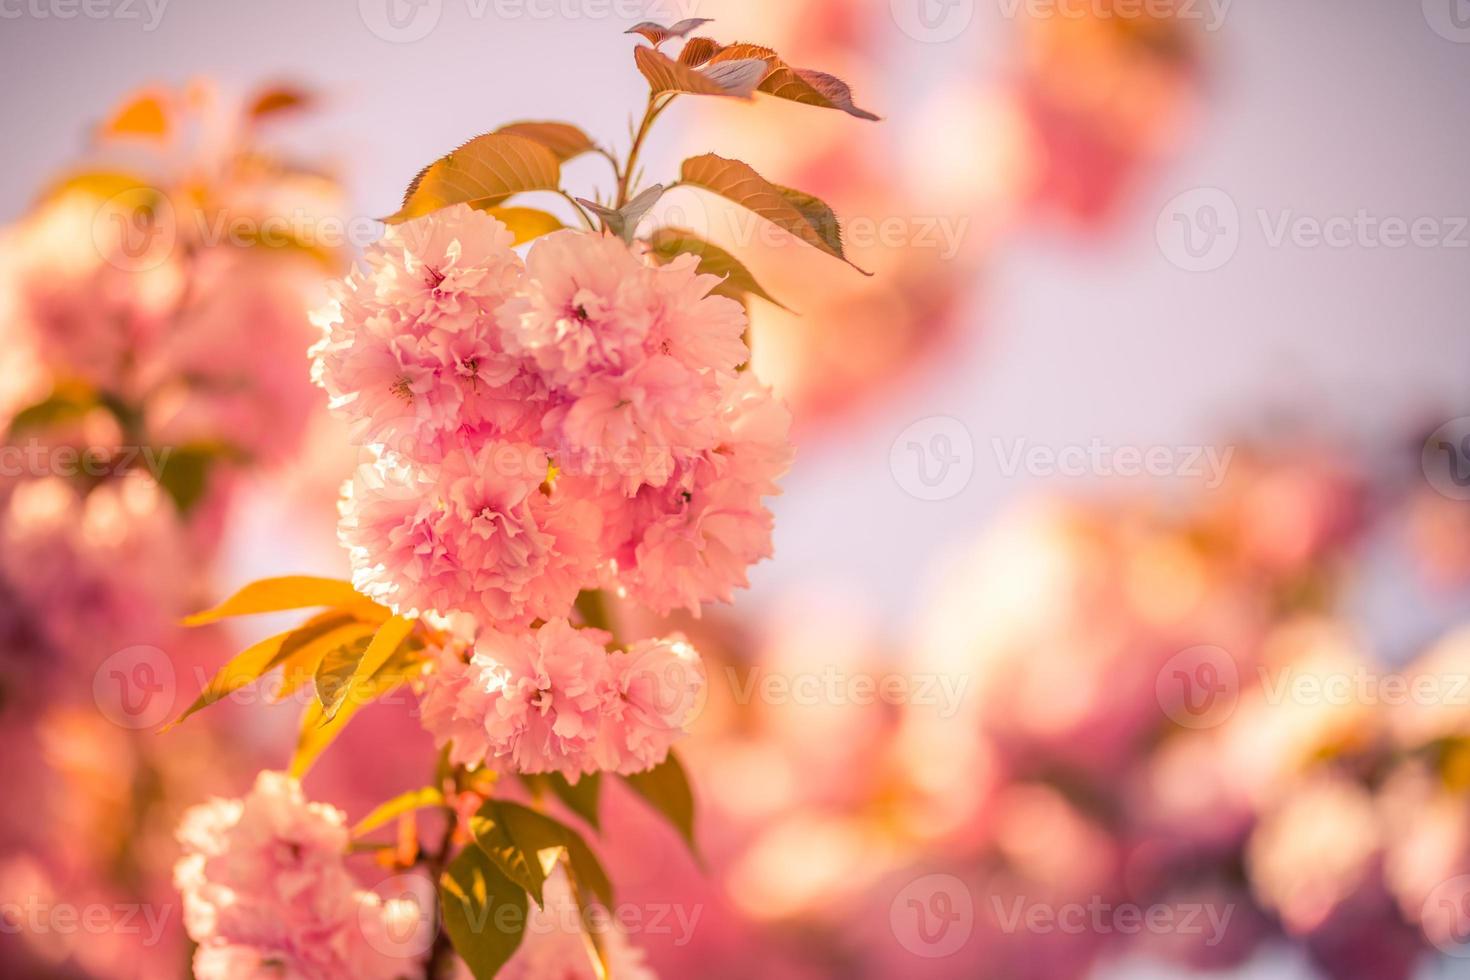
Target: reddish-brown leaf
(801, 85)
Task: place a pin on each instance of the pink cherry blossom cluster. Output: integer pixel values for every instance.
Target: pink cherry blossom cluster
(575, 420)
(266, 892)
(553, 700)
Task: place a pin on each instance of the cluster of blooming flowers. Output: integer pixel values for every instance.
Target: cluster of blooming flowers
(572, 421)
(266, 892)
(576, 420)
(553, 699)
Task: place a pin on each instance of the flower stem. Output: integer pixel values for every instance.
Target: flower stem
(649, 115)
(441, 954)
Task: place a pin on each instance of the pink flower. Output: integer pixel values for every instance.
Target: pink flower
(584, 311)
(554, 700)
(700, 536)
(266, 892)
(411, 344)
(546, 693)
(660, 684)
(483, 534)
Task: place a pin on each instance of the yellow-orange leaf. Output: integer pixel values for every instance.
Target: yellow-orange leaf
(384, 644)
(802, 215)
(482, 173)
(318, 731)
(299, 667)
(562, 139)
(144, 115)
(287, 592)
(526, 223)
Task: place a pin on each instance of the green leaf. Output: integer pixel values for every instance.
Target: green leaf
(384, 813)
(285, 592)
(517, 857)
(800, 214)
(483, 911)
(183, 473)
(482, 173)
(666, 788)
(563, 139)
(525, 845)
(739, 282)
(67, 402)
(580, 798)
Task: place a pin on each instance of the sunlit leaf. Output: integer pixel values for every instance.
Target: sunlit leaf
(304, 651)
(483, 911)
(318, 731)
(658, 34)
(482, 173)
(146, 115)
(385, 813)
(666, 243)
(385, 643)
(737, 79)
(285, 592)
(333, 677)
(99, 184)
(244, 668)
(793, 211)
(562, 139)
(698, 50)
(666, 788)
(580, 798)
(526, 223)
(518, 857)
(803, 85)
(525, 845)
